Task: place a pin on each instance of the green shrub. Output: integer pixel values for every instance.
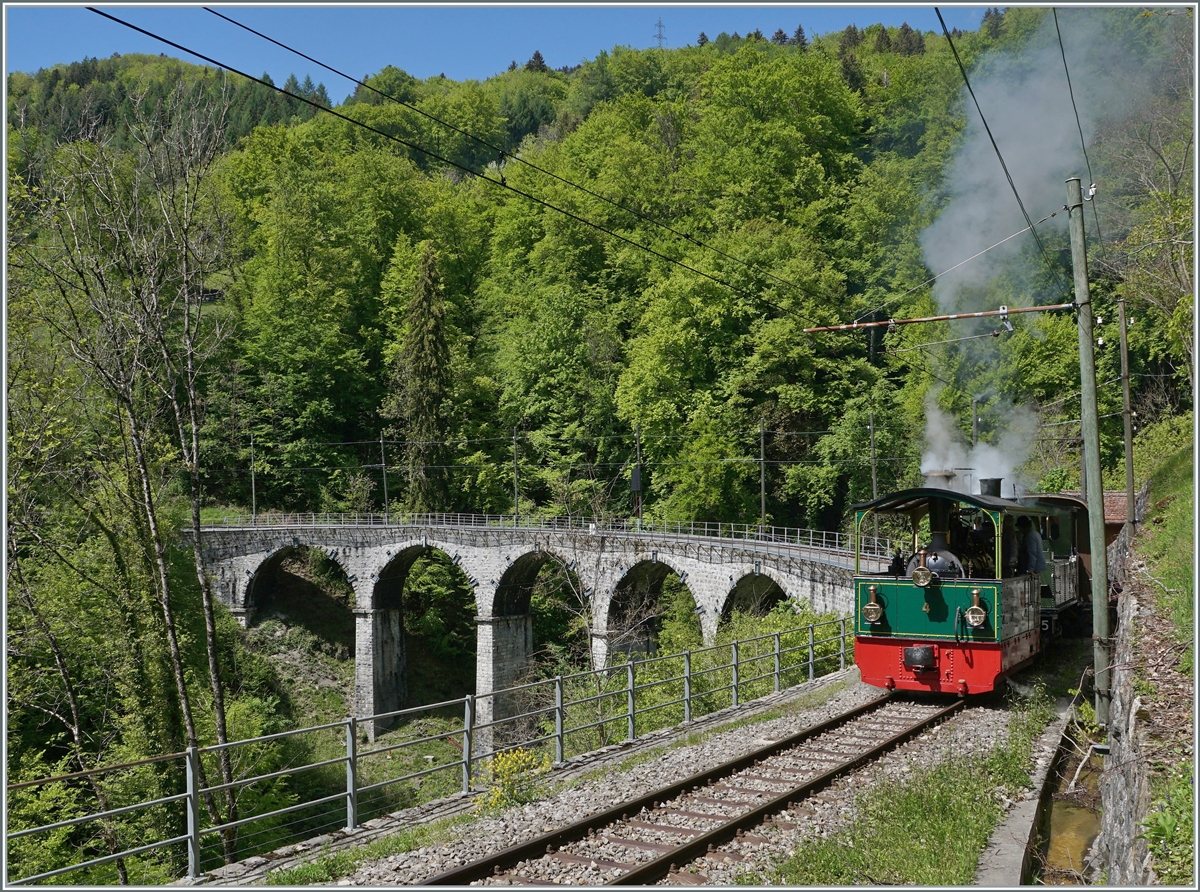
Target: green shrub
(516, 777)
(1168, 829)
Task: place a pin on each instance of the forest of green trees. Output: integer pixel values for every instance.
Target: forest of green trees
(202, 269)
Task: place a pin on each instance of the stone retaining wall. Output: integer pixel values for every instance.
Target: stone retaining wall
(1118, 856)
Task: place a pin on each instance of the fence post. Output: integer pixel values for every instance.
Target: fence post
(351, 773)
(842, 655)
(734, 665)
(559, 718)
(629, 690)
(812, 653)
(777, 652)
(687, 687)
(468, 723)
(193, 811)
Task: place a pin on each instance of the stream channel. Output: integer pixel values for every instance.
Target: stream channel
(1071, 818)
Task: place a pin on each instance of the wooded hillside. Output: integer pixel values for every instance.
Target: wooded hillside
(544, 264)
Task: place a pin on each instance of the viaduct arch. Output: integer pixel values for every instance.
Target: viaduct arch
(501, 565)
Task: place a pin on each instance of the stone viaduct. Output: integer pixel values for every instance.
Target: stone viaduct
(501, 563)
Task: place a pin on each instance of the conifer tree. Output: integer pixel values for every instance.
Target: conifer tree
(852, 71)
(909, 42)
(883, 41)
(536, 62)
(992, 19)
(702, 39)
(850, 38)
(798, 39)
(780, 37)
(419, 384)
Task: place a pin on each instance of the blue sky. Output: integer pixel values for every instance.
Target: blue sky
(459, 41)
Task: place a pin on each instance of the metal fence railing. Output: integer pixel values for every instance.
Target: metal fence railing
(815, 540)
(155, 819)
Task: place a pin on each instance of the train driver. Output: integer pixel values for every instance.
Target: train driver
(1030, 558)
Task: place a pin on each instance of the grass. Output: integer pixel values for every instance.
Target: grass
(214, 513)
(1165, 541)
(927, 829)
(336, 865)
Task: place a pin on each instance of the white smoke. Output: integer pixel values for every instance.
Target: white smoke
(946, 450)
(1024, 96)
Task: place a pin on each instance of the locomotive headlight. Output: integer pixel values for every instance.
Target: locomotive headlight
(922, 576)
(975, 615)
(872, 611)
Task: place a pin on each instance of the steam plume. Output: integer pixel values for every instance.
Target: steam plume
(946, 450)
(1025, 98)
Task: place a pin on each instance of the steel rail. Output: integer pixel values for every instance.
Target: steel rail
(536, 848)
(698, 846)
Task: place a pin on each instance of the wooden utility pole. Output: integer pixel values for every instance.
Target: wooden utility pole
(516, 490)
(253, 494)
(1089, 415)
(762, 477)
(383, 465)
(637, 473)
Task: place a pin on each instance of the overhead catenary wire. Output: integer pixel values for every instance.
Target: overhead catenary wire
(1079, 127)
(962, 69)
(502, 153)
(934, 278)
(500, 183)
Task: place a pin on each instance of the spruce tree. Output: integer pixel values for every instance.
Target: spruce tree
(798, 39)
(852, 71)
(992, 19)
(420, 381)
(850, 38)
(883, 41)
(702, 39)
(780, 37)
(536, 62)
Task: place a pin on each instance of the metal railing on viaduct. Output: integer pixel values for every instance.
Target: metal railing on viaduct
(721, 564)
(814, 541)
(150, 825)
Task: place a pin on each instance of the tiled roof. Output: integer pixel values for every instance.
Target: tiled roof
(1114, 504)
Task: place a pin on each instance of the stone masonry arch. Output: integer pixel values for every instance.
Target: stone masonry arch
(499, 562)
(747, 582)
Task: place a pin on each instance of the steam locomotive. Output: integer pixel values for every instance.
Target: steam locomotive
(957, 614)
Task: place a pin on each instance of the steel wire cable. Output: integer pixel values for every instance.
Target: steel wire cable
(500, 183)
(933, 278)
(502, 154)
(1079, 127)
(962, 69)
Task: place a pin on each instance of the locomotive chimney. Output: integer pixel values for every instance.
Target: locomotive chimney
(939, 479)
(990, 486)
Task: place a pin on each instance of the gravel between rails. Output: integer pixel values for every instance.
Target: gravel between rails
(976, 729)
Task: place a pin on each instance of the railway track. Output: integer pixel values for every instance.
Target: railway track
(668, 833)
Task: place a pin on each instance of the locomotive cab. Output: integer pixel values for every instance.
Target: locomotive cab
(953, 615)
